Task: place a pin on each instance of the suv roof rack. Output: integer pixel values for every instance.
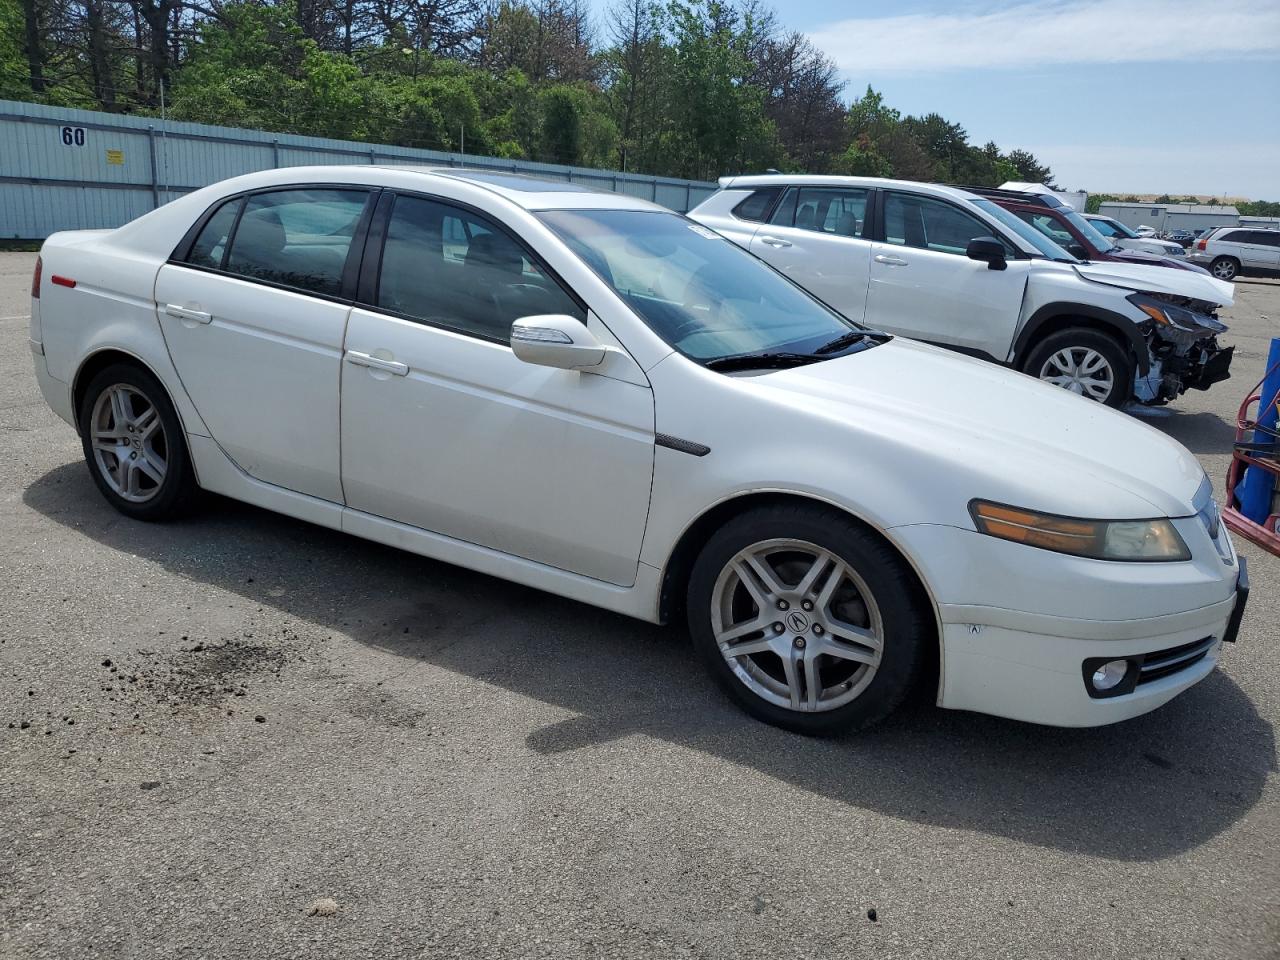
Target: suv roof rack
(1022, 196)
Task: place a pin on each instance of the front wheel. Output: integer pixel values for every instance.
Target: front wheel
(134, 445)
(806, 619)
(1086, 362)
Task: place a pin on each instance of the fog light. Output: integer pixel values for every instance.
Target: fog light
(1110, 674)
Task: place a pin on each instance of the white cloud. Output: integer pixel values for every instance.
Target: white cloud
(1222, 169)
(1054, 32)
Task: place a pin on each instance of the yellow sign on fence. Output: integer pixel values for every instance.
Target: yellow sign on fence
(116, 157)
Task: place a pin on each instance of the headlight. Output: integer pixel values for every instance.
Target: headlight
(1133, 540)
(1165, 314)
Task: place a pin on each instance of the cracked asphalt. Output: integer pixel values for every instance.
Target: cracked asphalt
(210, 728)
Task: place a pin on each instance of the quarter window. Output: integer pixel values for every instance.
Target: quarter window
(451, 268)
(917, 221)
(211, 245)
(840, 212)
(296, 238)
(757, 205)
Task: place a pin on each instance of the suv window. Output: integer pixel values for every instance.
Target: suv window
(916, 221)
(296, 238)
(211, 246)
(1265, 238)
(1233, 236)
(757, 205)
(451, 268)
(1048, 226)
(838, 211)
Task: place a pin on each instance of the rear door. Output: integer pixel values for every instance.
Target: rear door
(1264, 249)
(817, 236)
(924, 286)
(254, 310)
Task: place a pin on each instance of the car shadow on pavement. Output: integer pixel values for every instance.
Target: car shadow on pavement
(1147, 789)
(1201, 433)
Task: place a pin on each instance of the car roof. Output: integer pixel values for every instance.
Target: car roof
(752, 181)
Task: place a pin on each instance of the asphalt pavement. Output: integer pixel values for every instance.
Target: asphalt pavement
(242, 736)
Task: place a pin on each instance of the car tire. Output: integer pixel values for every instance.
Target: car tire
(1084, 361)
(852, 640)
(1225, 268)
(134, 444)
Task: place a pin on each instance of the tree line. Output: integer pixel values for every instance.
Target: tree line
(685, 88)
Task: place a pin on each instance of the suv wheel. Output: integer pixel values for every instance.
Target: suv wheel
(806, 619)
(134, 445)
(1225, 268)
(1085, 362)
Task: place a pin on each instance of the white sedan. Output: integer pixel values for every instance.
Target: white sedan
(591, 395)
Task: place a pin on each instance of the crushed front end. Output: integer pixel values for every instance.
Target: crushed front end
(1182, 337)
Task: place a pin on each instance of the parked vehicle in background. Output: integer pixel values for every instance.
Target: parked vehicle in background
(946, 266)
(1071, 231)
(1074, 199)
(1229, 252)
(550, 385)
(1134, 240)
(1182, 238)
(1145, 231)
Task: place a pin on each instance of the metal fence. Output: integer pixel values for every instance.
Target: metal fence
(64, 169)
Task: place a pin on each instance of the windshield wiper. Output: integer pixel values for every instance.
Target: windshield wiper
(845, 340)
(757, 361)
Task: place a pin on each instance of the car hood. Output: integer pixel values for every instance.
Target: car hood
(1144, 258)
(1153, 279)
(998, 434)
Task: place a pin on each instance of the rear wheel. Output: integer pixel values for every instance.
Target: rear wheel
(1086, 362)
(1225, 268)
(806, 619)
(134, 445)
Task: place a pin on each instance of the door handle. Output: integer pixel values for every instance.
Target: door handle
(891, 261)
(394, 367)
(775, 241)
(185, 313)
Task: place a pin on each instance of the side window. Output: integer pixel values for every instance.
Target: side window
(1233, 236)
(838, 212)
(297, 238)
(1048, 226)
(918, 221)
(210, 246)
(757, 205)
(451, 268)
(1268, 238)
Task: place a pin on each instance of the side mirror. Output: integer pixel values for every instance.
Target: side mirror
(989, 250)
(556, 340)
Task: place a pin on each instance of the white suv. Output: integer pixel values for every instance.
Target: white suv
(945, 266)
(1229, 252)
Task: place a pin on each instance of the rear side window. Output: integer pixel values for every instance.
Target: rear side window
(449, 267)
(1233, 236)
(756, 206)
(211, 245)
(296, 238)
(840, 212)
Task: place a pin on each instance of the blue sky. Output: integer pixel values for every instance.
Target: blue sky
(1143, 96)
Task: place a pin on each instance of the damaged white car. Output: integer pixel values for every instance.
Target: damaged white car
(944, 266)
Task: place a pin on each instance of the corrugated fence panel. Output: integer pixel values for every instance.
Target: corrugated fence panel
(64, 169)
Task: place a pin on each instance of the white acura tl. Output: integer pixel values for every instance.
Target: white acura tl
(592, 395)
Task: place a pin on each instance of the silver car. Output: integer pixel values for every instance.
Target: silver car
(1229, 252)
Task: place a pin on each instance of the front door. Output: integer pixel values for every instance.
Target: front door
(444, 429)
(924, 286)
(254, 320)
(815, 237)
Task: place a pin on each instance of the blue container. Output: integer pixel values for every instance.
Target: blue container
(1254, 493)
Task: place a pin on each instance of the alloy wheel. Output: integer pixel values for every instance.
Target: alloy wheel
(130, 447)
(796, 625)
(1082, 370)
(1224, 270)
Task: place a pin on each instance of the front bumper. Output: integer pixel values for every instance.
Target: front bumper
(1018, 623)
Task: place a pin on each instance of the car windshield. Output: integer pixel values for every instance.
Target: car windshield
(1033, 237)
(1091, 234)
(703, 295)
(1114, 228)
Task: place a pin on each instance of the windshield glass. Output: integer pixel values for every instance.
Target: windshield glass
(702, 294)
(1114, 228)
(1091, 235)
(1028, 233)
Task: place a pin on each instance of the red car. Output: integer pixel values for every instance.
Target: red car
(1069, 230)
